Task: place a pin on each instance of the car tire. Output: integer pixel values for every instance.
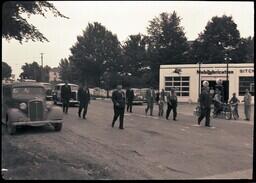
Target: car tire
(11, 128)
(57, 127)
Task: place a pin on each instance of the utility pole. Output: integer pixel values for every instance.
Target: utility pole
(42, 64)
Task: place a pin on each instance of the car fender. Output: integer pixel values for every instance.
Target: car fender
(15, 114)
(55, 113)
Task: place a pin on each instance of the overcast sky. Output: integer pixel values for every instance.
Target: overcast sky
(123, 19)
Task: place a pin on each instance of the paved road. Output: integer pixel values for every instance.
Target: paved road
(148, 148)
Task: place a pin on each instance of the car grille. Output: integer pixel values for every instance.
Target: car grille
(36, 110)
(73, 95)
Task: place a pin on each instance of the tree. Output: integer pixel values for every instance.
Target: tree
(94, 53)
(245, 51)
(167, 43)
(135, 58)
(16, 27)
(34, 71)
(6, 70)
(212, 46)
(65, 70)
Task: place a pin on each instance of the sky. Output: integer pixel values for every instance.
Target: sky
(122, 18)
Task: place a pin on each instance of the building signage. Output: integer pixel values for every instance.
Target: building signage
(210, 72)
(246, 70)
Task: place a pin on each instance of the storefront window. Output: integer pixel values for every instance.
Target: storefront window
(181, 85)
(246, 83)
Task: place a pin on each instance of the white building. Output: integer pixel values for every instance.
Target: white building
(54, 74)
(185, 78)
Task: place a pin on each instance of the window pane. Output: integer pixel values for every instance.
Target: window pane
(185, 78)
(185, 88)
(168, 84)
(177, 78)
(168, 78)
(185, 94)
(176, 83)
(185, 83)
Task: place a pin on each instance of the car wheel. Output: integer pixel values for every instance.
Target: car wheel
(11, 128)
(57, 126)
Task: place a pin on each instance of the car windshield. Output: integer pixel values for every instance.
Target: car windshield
(28, 92)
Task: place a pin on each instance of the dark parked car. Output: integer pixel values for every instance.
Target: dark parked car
(25, 103)
(57, 94)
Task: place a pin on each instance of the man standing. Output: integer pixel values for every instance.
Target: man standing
(247, 105)
(172, 103)
(118, 99)
(129, 98)
(65, 97)
(84, 100)
(150, 97)
(161, 103)
(205, 106)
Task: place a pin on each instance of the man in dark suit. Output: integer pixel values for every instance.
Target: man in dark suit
(118, 99)
(205, 106)
(150, 97)
(84, 100)
(65, 97)
(172, 103)
(129, 99)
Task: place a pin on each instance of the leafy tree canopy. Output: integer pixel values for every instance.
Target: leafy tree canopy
(6, 70)
(16, 27)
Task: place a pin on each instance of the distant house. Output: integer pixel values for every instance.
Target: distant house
(54, 74)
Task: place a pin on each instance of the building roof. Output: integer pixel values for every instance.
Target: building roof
(220, 65)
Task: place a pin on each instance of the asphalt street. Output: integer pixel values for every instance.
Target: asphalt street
(147, 148)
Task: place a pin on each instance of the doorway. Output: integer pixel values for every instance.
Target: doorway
(225, 91)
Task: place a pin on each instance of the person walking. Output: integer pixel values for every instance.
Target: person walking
(65, 97)
(247, 105)
(118, 99)
(84, 100)
(150, 98)
(129, 99)
(234, 102)
(161, 103)
(205, 106)
(172, 103)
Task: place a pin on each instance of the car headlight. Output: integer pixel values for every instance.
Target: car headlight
(23, 106)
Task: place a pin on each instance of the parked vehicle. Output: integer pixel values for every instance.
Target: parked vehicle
(49, 91)
(25, 103)
(57, 94)
(138, 96)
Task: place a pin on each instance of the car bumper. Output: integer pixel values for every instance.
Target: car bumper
(20, 123)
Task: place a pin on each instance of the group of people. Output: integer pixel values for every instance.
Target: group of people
(120, 99)
(206, 99)
(83, 96)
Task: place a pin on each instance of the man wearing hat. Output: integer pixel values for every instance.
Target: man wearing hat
(150, 97)
(118, 99)
(205, 105)
(65, 96)
(172, 102)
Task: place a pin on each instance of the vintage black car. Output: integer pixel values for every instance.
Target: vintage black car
(25, 103)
